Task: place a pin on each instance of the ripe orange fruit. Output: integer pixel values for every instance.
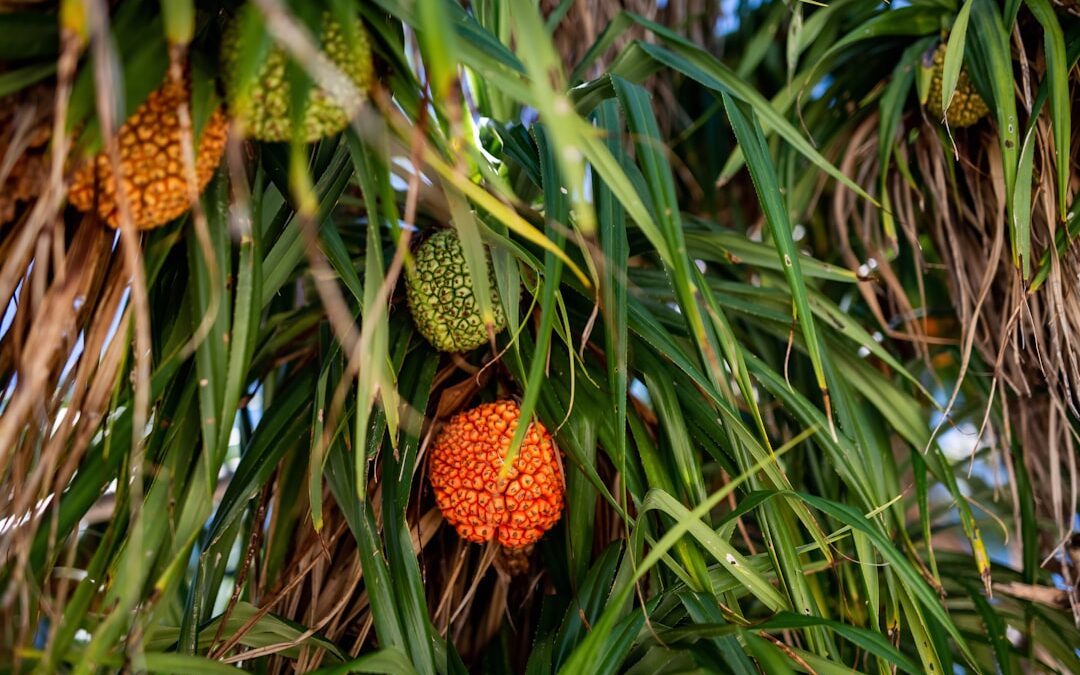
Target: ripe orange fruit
(466, 460)
(151, 166)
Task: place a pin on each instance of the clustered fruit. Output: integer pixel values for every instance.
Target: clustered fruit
(152, 170)
(467, 459)
(263, 105)
(151, 165)
(966, 107)
(441, 300)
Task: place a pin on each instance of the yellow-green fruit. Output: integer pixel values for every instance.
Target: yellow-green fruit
(966, 107)
(440, 295)
(263, 104)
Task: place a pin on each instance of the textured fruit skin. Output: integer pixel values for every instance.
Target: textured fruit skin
(264, 106)
(967, 107)
(466, 460)
(151, 166)
(441, 300)
(28, 175)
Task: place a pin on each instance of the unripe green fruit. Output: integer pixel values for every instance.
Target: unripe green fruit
(966, 107)
(263, 104)
(441, 300)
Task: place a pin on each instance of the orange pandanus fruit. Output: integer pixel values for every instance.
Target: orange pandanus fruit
(151, 166)
(467, 459)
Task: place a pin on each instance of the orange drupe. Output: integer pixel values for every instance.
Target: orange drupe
(151, 166)
(466, 461)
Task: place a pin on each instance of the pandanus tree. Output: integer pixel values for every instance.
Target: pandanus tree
(388, 336)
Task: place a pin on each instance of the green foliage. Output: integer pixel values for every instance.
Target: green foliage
(754, 479)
